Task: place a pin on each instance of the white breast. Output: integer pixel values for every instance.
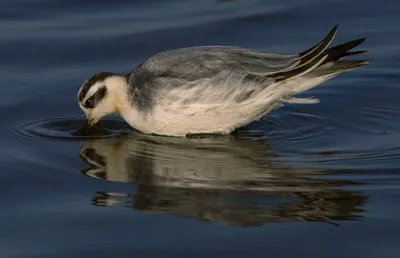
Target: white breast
(223, 117)
(207, 108)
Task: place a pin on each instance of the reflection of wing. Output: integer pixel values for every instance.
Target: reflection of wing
(236, 208)
(215, 179)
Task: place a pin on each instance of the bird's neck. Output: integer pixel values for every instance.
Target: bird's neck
(118, 90)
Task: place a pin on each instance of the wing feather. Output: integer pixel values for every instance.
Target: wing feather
(227, 69)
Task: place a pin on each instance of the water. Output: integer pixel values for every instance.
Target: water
(307, 181)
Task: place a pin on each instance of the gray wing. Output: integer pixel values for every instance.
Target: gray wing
(187, 67)
(205, 61)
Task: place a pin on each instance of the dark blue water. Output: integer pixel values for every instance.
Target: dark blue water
(317, 180)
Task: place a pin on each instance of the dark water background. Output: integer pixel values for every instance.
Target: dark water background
(307, 181)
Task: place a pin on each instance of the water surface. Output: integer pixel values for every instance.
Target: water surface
(316, 180)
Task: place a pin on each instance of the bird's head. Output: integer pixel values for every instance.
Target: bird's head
(101, 94)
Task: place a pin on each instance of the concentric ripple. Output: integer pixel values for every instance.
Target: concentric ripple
(298, 127)
(70, 128)
(360, 134)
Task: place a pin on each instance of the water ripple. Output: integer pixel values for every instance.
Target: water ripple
(227, 180)
(69, 129)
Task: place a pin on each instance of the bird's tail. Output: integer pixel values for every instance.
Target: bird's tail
(336, 68)
(321, 60)
(321, 67)
(343, 50)
(333, 65)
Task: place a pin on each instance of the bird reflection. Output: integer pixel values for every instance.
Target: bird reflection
(230, 180)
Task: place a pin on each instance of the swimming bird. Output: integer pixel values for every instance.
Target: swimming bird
(212, 89)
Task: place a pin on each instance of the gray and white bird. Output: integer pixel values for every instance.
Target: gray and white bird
(212, 89)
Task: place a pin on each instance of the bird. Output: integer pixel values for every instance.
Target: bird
(213, 89)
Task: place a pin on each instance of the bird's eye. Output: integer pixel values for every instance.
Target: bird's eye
(89, 103)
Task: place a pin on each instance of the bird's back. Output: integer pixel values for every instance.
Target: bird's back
(212, 89)
(203, 67)
(198, 62)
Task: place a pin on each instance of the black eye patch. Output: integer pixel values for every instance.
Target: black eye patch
(89, 103)
(98, 77)
(96, 98)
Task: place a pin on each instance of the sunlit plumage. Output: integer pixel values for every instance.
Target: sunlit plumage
(212, 89)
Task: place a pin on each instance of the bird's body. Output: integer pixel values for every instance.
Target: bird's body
(212, 89)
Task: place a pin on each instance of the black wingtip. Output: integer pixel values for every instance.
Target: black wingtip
(343, 50)
(333, 31)
(352, 53)
(328, 38)
(359, 41)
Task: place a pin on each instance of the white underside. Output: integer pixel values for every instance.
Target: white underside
(179, 119)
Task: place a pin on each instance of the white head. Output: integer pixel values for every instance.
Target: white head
(102, 95)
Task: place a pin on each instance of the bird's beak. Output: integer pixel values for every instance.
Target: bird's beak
(91, 122)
